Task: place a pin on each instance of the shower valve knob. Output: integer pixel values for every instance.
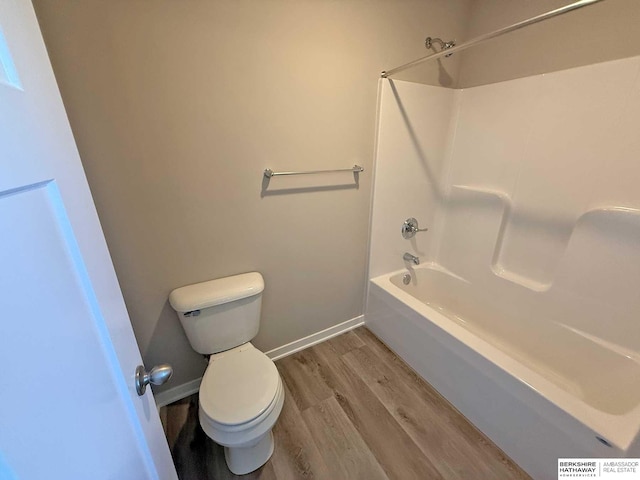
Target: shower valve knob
(410, 228)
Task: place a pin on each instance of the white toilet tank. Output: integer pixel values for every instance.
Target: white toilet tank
(220, 314)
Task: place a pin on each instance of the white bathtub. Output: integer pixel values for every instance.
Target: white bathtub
(540, 390)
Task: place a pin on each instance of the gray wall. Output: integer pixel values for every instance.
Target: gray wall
(605, 31)
(178, 106)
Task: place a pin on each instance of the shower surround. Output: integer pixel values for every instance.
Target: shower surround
(524, 310)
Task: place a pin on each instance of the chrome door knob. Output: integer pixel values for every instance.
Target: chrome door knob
(158, 375)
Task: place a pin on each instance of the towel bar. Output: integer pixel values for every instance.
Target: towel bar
(355, 169)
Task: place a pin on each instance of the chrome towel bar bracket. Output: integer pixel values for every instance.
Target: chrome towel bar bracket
(355, 169)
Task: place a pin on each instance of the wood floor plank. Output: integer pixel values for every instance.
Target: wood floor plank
(190, 450)
(396, 452)
(450, 449)
(301, 374)
(402, 370)
(346, 454)
(344, 343)
(173, 419)
(297, 455)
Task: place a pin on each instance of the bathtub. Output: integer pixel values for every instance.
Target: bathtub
(538, 387)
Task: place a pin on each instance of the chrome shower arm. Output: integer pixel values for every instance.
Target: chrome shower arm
(429, 41)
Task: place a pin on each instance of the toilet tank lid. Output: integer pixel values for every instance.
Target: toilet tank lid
(216, 292)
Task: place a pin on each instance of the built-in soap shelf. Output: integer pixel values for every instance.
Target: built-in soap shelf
(504, 197)
(602, 256)
(583, 246)
(507, 207)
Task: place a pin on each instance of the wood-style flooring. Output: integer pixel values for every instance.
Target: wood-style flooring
(353, 410)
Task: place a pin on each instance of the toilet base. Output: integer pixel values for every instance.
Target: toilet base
(243, 460)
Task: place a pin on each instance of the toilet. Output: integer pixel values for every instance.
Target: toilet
(241, 394)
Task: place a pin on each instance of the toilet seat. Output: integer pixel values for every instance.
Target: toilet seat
(255, 424)
(240, 386)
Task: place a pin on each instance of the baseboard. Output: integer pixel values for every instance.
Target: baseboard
(181, 391)
(309, 341)
(177, 393)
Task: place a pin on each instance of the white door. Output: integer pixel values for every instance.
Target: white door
(68, 405)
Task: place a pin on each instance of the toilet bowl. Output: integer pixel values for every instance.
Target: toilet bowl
(241, 397)
(241, 394)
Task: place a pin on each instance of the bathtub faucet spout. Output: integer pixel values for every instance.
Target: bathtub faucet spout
(411, 258)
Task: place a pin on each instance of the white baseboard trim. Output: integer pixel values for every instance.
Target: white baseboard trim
(177, 393)
(181, 391)
(311, 340)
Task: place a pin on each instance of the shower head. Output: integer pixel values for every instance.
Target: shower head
(429, 41)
